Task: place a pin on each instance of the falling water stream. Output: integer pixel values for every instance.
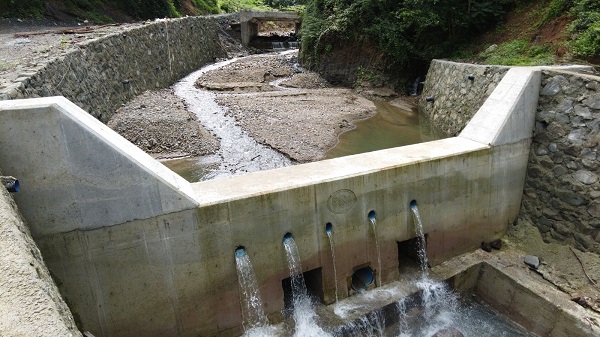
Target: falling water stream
(328, 229)
(373, 221)
(253, 314)
(304, 314)
(421, 237)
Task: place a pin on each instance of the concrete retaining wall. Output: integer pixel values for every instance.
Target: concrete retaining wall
(562, 190)
(104, 73)
(30, 304)
(456, 97)
(174, 273)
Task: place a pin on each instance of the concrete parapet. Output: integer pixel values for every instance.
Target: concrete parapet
(169, 269)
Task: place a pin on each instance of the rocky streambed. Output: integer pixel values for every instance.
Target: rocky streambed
(291, 112)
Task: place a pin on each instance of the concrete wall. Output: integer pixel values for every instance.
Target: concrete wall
(84, 175)
(104, 73)
(30, 304)
(456, 97)
(174, 273)
(562, 191)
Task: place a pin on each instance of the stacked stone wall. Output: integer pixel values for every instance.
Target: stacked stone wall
(562, 189)
(458, 91)
(104, 73)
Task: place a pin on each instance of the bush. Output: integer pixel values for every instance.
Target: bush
(409, 32)
(585, 28)
(21, 8)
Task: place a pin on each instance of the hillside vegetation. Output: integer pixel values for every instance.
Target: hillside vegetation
(103, 11)
(391, 42)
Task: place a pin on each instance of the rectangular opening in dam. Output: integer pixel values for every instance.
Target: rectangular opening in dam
(314, 286)
(408, 254)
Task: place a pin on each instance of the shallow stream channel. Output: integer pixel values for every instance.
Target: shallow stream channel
(255, 93)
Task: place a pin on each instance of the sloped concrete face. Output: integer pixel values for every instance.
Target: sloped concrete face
(76, 173)
(137, 251)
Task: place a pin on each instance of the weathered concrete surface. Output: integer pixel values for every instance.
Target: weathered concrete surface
(169, 269)
(562, 190)
(30, 304)
(502, 281)
(77, 173)
(102, 74)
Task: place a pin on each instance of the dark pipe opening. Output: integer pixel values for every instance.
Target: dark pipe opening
(471, 78)
(413, 203)
(314, 286)
(429, 99)
(328, 227)
(371, 215)
(240, 251)
(287, 236)
(362, 278)
(11, 184)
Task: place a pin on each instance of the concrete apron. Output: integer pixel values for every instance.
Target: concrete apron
(136, 250)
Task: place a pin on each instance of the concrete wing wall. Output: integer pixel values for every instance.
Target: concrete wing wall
(78, 174)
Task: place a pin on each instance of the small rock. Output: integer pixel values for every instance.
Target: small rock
(532, 261)
(593, 101)
(585, 177)
(486, 246)
(551, 89)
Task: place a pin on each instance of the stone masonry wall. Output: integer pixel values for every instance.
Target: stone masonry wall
(456, 98)
(562, 189)
(104, 73)
(30, 304)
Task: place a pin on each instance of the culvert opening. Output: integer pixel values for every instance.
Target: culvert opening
(314, 287)
(408, 254)
(328, 227)
(362, 278)
(371, 215)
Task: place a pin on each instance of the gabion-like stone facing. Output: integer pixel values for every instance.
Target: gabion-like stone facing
(456, 91)
(562, 191)
(104, 73)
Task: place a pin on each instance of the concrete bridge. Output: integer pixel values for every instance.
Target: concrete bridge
(249, 21)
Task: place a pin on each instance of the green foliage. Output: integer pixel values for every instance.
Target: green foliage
(230, 6)
(21, 9)
(518, 53)
(585, 28)
(555, 9)
(280, 4)
(408, 32)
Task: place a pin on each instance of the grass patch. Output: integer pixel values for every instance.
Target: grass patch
(518, 53)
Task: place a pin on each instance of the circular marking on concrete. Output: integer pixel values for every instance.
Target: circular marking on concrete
(341, 201)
